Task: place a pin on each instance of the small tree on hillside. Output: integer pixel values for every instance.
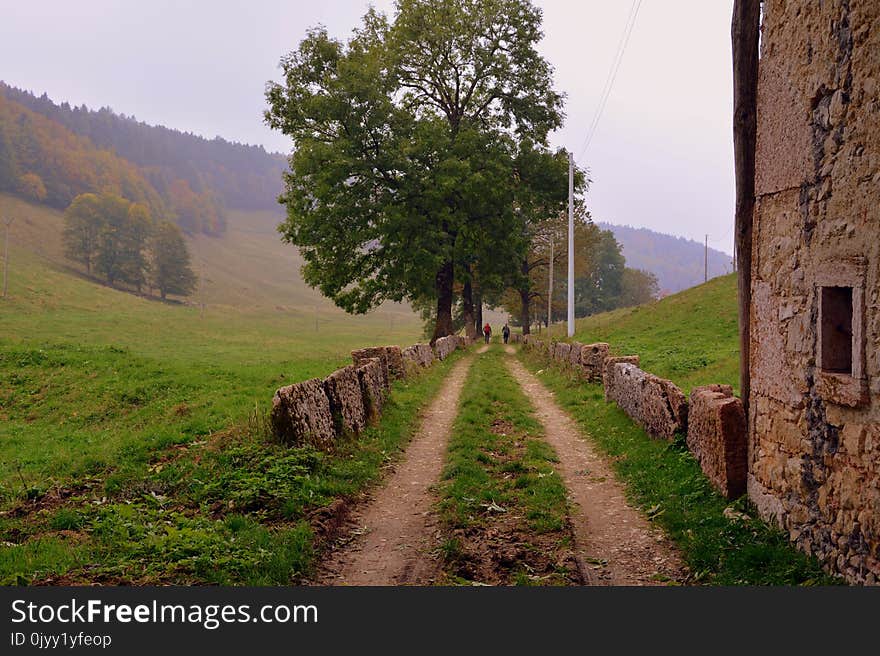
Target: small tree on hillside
(137, 229)
(83, 221)
(171, 271)
(31, 186)
(638, 287)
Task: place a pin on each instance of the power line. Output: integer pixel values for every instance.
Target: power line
(612, 74)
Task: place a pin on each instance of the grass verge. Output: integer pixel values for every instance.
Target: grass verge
(690, 338)
(235, 509)
(722, 543)
(503, 506)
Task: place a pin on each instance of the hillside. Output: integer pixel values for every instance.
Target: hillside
(44, 161)
(248, 268)
(690, 337)
(241, 175)
(86, 370)
(677, 262)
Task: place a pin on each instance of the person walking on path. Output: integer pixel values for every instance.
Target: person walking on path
(505, 333)
(487, 331)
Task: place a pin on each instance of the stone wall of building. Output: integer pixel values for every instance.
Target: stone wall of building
(814, 434)
(716, 435)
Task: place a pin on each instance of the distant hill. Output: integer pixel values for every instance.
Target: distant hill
(677, 262)
(198, 179)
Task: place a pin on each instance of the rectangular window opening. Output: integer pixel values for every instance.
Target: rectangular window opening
(836, 311)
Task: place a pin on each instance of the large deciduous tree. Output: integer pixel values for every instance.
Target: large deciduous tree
(403, 177)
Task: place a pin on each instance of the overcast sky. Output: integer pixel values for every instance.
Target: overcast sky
(662, 156)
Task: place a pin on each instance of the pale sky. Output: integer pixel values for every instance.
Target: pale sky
(661, 158)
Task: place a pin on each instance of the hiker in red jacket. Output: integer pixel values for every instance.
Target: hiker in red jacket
(487, 331)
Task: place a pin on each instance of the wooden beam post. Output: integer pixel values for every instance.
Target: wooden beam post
(745, 30)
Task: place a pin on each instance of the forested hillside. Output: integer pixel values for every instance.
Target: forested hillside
(677, 262)
(180, 176)
(45, 162)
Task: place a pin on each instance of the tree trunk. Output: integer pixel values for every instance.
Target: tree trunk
(467, 299)
(525, 315)
(478, 310)
(745, 31)
(443, 285)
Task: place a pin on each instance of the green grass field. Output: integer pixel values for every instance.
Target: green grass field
(93, 379)
(133, 445)
(690, 338)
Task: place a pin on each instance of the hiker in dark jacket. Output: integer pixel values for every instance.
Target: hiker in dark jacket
(487, 331)
(505, 333)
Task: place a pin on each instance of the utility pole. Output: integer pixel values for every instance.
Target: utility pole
(550, 289)
(7, 222)
(706, 260)
(570, 244)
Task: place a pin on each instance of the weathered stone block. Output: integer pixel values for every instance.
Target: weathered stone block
(717, 437)
(343, 390)
(372, 389)
(421, 354)
(561, 353)
(444, 346)
(609, 362)
(301, 415)
(395, 362)
(360, 356)
(652, 402)
(592, 361)
(574, 355)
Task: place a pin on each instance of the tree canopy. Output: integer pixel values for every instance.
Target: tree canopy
(119, 240)
(404, 178)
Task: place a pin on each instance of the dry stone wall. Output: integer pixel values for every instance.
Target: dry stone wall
(372, 387)
(301, 415)
(658, 405)
(360, 356)
(593, 358)
(609, 363)
(814, 433)
(444, 346)
(316, 412)
(421, 354)
(561, 353)
(343, 391)
(716, 435)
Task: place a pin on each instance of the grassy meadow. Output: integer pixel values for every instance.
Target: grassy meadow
(690, 338)
(93, 379)
(124, 420)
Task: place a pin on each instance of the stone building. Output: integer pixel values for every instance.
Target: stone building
(814, 418)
